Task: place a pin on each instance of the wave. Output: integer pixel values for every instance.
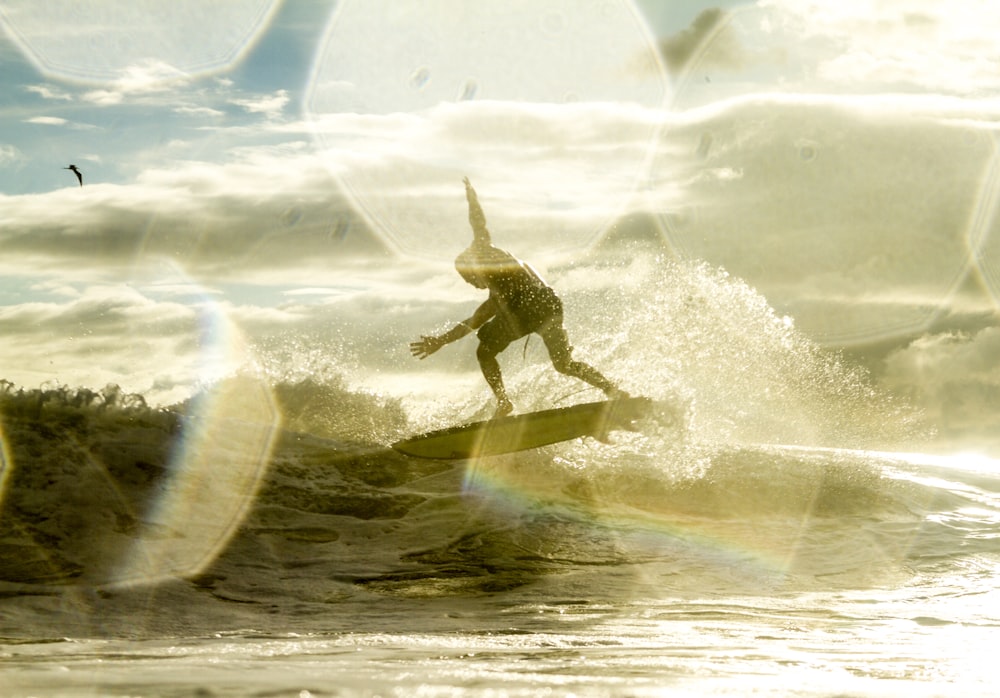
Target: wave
(281, 496)
(90, 498)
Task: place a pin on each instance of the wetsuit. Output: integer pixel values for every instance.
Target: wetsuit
(520, 303)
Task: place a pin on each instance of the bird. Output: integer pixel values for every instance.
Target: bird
(79, 175)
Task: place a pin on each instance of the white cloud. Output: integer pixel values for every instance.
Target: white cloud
(104, 314)
(47, 120)
(954, 376)
(144, 78)
(198, 111)
(10, 155)
(314, 291)
(179, 289)
(59, 121)
(850, 214)
(270, 106)
(49, 92)
(407, 58)
(56, 288)
(101, 42)
(275, 213)
(539, 168)
(114, 333)
(859, 47)
(854, 212)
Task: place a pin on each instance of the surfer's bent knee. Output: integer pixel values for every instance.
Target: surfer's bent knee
(484, 352)
(563, 363)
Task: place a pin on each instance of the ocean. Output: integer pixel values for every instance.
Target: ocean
(790, 529)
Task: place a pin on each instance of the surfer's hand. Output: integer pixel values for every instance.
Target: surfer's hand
(426, 346)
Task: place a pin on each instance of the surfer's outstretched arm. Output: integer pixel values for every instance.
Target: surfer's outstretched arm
(477, 219)
(428, 344)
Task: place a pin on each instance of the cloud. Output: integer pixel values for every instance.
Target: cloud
(914, 45)
(99, 310)
(101, 43)
(10, 155)
(48, 92)
(678, 49)
(198, 111)
(558, 173)
(254, 235)
(47, 120)
(954, 376)
(165, 325)
(143, 78)
(271, 106)
(56, 288)
(793, 46)
(396, 58)
(276, 215)
(59, 121)
(852, 213)
(136, 339)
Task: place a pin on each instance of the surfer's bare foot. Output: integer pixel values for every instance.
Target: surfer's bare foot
(504, 408)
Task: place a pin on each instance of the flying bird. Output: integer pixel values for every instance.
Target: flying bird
(79, 175)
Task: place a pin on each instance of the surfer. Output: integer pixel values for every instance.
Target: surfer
(520, 303)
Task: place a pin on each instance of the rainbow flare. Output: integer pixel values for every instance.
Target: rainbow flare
(216, 466)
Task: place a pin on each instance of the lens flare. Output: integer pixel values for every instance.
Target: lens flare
(216, 466)
(536, 485)
(6, 463)
(770, 134)
(767, 512)
(100, 488)
(984, 243)
(134, 44)
(552, 109)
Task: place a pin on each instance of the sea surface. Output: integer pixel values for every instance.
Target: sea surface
(783, 527)
(648, 567)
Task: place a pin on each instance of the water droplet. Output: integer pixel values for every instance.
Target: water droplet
(340, 230)
(807, 153)
(420, 77)
(554, 23)
(704, 145)
(469, 91)
(291, 216)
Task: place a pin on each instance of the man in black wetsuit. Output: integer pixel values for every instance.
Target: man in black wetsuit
(520, 303)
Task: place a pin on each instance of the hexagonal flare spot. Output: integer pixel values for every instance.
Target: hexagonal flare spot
(552, 109)
(984, 239)
(134, 41)
(854, 208)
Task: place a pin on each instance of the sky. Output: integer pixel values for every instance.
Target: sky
(279, 183)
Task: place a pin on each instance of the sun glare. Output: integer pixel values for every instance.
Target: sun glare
(419, 87)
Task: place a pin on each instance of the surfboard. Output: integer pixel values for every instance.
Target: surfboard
(526, 431)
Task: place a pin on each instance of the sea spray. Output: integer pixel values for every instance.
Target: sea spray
(688, 331)
(734, 375)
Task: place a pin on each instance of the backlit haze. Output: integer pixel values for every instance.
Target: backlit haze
(279, 185)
